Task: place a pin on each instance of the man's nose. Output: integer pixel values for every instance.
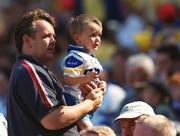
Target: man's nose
(53, 39)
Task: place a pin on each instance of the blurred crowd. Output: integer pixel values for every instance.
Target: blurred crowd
(140, 53)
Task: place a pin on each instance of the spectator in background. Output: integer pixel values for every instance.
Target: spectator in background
(130, 115)
(7, 58)
(154, 126)
(157, 95)
(113, 18)
(175, 94)
(98, 131)
(166, 61)
(119, 59)
(113, 10)
(4, 79)
(139, 67)
(133, 23)
(166, 28)
(3, 125)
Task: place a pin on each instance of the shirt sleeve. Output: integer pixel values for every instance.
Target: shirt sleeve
(30, 96)
(72, 65)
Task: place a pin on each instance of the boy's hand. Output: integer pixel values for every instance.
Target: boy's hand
(102, 85)
(91, 76)
(86, 88)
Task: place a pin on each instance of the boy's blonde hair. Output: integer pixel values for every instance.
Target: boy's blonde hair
(77, 24)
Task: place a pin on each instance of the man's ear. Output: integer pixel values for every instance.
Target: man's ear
(26, 40)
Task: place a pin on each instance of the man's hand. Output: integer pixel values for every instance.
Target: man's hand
(102, 85)
(93, 91)
(86, 88)
(96, 96)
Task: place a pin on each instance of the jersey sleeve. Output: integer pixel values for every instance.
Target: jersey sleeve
(73, 65)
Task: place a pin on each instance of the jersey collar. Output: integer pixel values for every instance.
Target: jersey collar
(78, 48)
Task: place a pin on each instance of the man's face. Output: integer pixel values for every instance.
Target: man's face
(127, 126)
(43, 42)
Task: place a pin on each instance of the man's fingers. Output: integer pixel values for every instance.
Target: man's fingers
(92, 85)
(84, 90)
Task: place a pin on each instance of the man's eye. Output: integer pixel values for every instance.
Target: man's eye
(132, 125)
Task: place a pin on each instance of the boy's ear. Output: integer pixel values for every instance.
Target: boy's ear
(76, 38)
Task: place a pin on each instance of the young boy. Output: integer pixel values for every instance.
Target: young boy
(80, 65)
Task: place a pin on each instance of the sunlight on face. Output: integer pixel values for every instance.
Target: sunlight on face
(127, 126)
(43, 43)
(90, 37)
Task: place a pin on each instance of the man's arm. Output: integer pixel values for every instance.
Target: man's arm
(67, 115)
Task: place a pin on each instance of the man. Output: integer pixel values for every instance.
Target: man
(157, 125)
(35, 102)
(130, 114)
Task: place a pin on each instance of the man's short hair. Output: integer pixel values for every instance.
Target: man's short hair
(26, 25)
(157, 125)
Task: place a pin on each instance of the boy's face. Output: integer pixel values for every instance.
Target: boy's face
(90, 37)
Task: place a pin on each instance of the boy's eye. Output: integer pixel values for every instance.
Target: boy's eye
(94, 34)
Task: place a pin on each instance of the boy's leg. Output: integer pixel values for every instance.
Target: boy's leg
(85, 122)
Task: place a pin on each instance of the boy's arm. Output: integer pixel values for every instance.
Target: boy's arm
(74, 80)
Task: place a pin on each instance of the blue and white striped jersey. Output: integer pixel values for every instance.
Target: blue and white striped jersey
(79, 62)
